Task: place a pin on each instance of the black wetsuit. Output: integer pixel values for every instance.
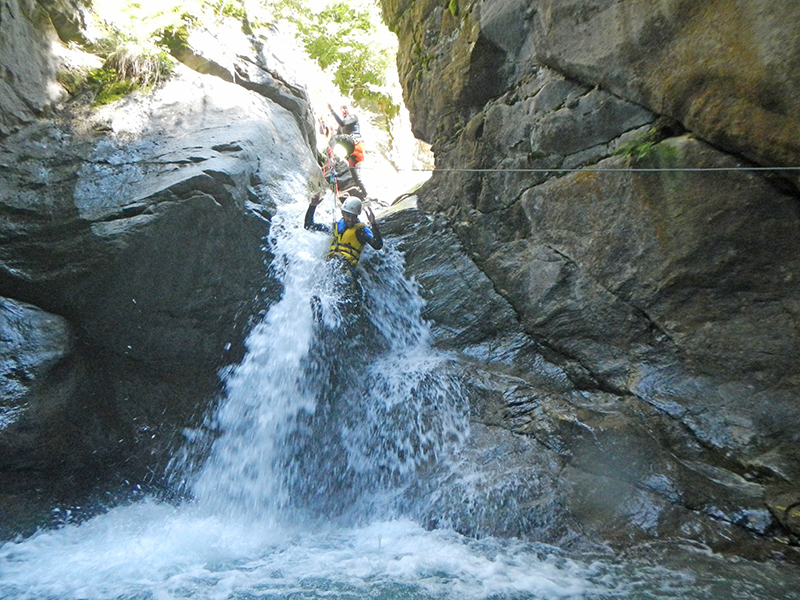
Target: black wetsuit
(348, 125)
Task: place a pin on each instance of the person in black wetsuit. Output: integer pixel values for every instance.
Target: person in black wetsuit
(348, 136)
(348, 122)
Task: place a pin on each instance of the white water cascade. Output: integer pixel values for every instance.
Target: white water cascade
(320, 411)
(323, 429)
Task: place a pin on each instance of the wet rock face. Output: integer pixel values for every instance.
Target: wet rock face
(250, 62)
(41, 416)
(140, 228)
(128, 225)
(34, 343)
(596, 464)
(667, 299)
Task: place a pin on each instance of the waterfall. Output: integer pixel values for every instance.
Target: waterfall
(329, 405)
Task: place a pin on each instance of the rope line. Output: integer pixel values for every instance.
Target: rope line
(603, 170)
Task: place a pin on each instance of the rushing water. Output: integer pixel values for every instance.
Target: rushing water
(337, 407)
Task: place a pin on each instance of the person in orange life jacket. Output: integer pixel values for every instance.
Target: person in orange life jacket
(348, 135)
(349, 235)
(353, 150)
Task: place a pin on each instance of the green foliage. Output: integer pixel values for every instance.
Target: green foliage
(144, 67)
(175, 38)
(108, 88)
(639, 148)
(646, 147)
(422, 57)
(165, 25)
(453, 7)
(126, 70)
(344, 41)
(228, 8)
(138, 41)
(343, 38)
(636, 150)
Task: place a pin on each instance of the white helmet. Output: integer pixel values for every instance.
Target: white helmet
(352, 205)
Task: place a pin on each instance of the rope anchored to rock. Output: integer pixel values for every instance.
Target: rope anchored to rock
(605, 170)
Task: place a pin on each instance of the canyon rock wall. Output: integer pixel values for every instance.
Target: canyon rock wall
(667, 296)
(132, 260)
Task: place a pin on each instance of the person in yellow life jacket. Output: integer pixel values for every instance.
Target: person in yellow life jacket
(349, 235)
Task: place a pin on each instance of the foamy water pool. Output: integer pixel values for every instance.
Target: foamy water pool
(157, 551)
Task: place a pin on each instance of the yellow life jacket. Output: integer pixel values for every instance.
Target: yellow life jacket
(345, 242)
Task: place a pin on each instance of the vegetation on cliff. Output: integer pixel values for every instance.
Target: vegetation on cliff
(139, 42)
(349, 42)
